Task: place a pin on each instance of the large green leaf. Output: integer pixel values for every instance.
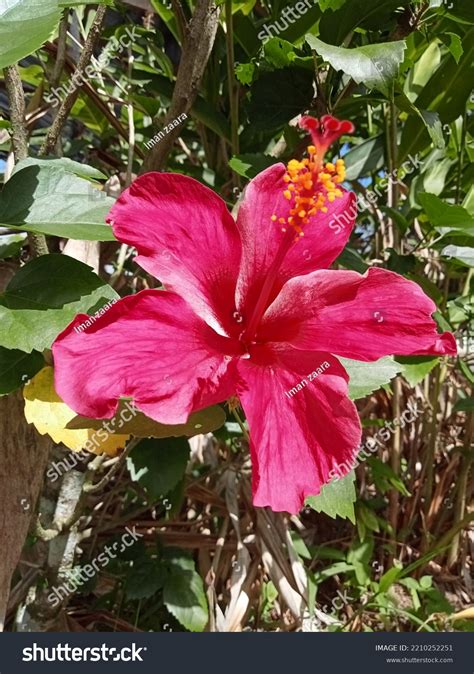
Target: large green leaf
(415, 368)
(56, 202)
(365, 158)
(365, 378)
(297, 30)
(276, 97)
(335, 26)
(81, 170)
(158, 465)
(49, 282)
(31, 329)
(463, 254)
(43, 298)
(24, 26)
(144, 578)
(446, 217)
(336, 499)
(375, 65)
(17, 367)
(184, 594)
(445, 93)
(249, 165)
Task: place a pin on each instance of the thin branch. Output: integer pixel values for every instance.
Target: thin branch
(197, 47)
(71, 97)
(16, 97)
(89, 91)
(61, 52)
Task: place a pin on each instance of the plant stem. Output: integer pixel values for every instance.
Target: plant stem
(71, 97)
(241, 424)
(197, 46)
(461, 156)
(462, 486)
(16, 97)
(233, 89)
(395, 460)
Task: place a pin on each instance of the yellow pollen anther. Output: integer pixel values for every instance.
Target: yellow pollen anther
(310, 186)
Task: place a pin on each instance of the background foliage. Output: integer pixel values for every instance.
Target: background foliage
(386, 548)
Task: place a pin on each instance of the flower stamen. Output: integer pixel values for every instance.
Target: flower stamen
(310, 184)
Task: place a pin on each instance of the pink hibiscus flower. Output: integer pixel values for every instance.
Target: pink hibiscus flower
(250, 309)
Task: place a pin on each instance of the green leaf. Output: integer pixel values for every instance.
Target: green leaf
(56, 202)
(454, 45)
(385, 478)
(30, 313)
(249, 165)
(365, 378)
(49, 282)
(279, 53)
(158, 465)
(445, 93)
(335, 26)
(351, 259)
(278, 96)
(202, 111)
(388, 578)
(244, 72)
(298, 29)
(81, 170)
(11, 245)
(365, 158)
(368, 517)
(446, 217)
(466, 370)
(375, 65)
(245, 33)
(144, 578)
(415, 368)
(17, 367)
(464, 405)
(336, 499)
(141, 426)
(429, 118)
(463, 254)
(184, 595)
(77, 3)
(24, 26)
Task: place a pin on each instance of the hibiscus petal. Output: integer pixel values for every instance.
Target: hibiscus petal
(356, 316)
(324, 238)
(297, 438)
(184, 236)
(150, 346)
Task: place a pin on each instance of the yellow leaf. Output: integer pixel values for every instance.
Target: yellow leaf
(49, 414)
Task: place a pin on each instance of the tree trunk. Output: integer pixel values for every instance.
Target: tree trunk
(23, 459)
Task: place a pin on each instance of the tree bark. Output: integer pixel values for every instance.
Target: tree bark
(23, 458)
(198, 43)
